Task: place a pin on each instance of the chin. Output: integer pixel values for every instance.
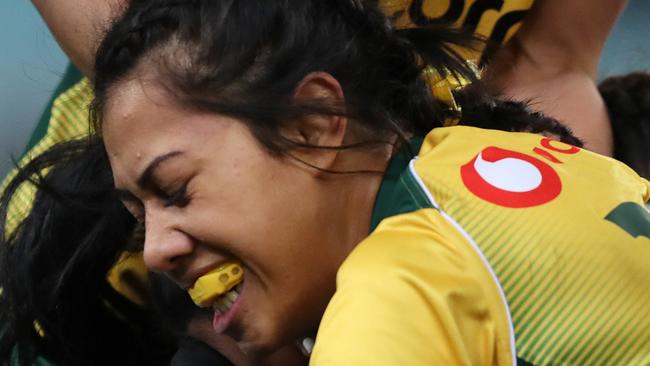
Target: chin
(254, 351)
(258, 347)
(253, 344)
(261, 336)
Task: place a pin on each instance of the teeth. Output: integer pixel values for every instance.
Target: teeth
(224, 302)
(222, 306)
(232, 295)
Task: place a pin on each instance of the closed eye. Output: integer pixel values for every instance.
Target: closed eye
(178, 198)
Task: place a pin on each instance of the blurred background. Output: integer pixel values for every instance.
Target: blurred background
(31, 64)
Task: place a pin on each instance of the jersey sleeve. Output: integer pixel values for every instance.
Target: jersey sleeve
(414, 293)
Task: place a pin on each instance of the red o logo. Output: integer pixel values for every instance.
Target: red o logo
(510, 179)
(569, 149)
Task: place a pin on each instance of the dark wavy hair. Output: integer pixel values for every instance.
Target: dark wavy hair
(628, 103)
(241, 58)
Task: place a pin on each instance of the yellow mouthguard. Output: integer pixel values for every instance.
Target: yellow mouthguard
(216, 283)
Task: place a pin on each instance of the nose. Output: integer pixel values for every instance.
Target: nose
(165, 245)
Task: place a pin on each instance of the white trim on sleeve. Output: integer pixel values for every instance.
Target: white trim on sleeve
(466, 235)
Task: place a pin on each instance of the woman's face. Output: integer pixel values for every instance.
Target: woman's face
(209, 193)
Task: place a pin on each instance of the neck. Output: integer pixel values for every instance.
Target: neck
(356, 194)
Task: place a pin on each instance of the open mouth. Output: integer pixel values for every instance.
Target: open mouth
(223, 303)
(218, 288)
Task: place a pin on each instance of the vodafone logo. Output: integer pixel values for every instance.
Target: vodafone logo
(511, 179)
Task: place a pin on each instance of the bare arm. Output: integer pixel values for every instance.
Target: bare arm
(78, 26)
(552, 61)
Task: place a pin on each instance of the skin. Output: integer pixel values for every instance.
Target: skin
(555, 66)
(78, 26)
(201, 329)
(290, 226)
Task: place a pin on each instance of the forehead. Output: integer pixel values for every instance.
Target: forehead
(141, 121)
(133, 113)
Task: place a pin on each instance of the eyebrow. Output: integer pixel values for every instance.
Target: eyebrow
(146, 178)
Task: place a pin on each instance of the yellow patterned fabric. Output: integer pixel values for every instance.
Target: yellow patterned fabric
(495, 21)
(512, 249)
(69, 120)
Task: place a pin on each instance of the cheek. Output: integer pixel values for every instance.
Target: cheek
(287, 308)
(257, 196)
(293, 303)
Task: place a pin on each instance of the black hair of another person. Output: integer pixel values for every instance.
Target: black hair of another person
(56, 301)
(628, 103)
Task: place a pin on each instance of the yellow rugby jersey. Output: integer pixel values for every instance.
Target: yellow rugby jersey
(497, 248)
(68, 120)
(496, 21)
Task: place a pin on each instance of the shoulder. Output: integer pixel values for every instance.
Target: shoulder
(410, 240)
(417, 275)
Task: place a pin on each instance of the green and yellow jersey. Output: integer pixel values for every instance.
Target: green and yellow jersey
(511, 249)
(68, 120)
